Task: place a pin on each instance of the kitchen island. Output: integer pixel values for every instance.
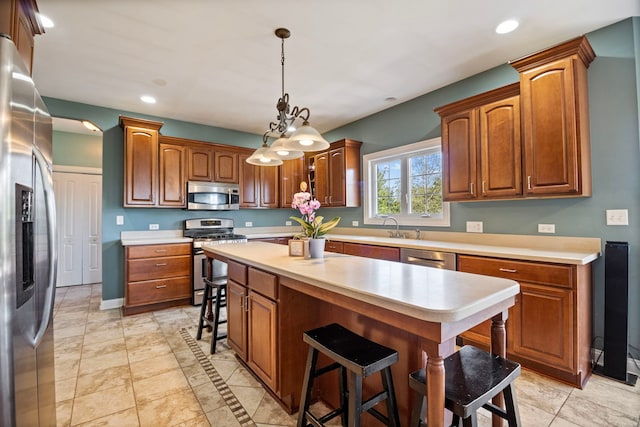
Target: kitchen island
(273, 298)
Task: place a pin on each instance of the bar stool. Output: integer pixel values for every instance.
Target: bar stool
(472, 378)
(215, 297)
(361, 358)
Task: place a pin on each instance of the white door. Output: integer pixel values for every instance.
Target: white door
(79, 220)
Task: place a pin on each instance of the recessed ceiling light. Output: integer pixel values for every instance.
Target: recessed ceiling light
(507, 26)
(90, 125)
(148, 99)
(45, 21)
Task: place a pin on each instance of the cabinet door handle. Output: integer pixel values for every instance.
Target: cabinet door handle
(246, 304)
(161, 250)
(508, 270)
(483, 187)
(471, 188)
(161, 286)
(529, 182)
(161, 264)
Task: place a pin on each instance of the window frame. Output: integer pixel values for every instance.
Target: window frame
(370, 179)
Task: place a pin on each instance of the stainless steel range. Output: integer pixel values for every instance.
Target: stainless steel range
(214, 231)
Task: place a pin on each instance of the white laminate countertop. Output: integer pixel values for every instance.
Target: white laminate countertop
(556, 249)
(132, 238)
(426, 293)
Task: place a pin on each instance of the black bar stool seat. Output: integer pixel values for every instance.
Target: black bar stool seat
(215, 296)
(472, 378)
(356, 358)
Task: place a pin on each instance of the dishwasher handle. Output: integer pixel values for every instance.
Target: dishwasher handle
(429, 262)
(428, 258)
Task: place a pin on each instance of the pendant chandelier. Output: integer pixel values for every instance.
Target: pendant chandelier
(290, 143)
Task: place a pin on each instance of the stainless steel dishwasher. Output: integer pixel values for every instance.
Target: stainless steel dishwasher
(436, 259)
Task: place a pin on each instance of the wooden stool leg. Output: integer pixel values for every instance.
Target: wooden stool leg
(417, 413)
(392, 408)
(513, 415)
(216, 319)
(355, 399)
(307, 385)
(344, 395)
(203, 309)
(471, 420)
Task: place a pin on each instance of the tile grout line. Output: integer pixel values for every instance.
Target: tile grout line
(230, 399)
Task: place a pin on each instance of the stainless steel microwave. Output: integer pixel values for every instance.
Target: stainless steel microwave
(212, 196)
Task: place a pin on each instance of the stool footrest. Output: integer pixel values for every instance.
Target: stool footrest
(324, 370)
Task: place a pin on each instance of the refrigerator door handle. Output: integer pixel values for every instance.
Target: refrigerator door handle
(53, 253)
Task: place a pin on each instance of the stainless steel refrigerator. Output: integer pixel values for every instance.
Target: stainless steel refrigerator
(27, 249)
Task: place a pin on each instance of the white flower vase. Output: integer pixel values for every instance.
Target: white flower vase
(316, 248)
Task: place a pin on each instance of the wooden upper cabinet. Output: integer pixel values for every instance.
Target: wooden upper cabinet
(459, 155)
(140, 161)
(500, 149)
(292, 173)
(334, 174)
(199, 162)
(18, 18)
(172, 178)
(259, 185)
(226, 166)
(481, 146)
(555, 119)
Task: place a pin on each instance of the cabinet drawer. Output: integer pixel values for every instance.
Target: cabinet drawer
(337, 247)
(152, 291)
(263, 283)
(554, 274)
(237, 272)
(372, 251)
(150, 251)
(158, 268)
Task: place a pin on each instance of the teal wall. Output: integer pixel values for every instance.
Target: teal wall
(615, 146)
(74, 149)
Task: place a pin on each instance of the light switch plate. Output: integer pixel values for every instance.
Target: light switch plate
(248, 224)
(546, 228)
(154, 227)
(474, 226)
(355, 223)
(288, 222)
(119, 220)
(617, 216)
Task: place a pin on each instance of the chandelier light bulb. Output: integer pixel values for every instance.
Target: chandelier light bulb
(305, 142)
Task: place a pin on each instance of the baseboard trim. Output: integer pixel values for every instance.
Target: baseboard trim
(108, 304)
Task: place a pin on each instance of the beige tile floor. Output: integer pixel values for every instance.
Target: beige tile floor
(139, 371)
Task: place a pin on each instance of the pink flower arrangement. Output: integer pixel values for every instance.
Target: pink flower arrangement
(311, 223)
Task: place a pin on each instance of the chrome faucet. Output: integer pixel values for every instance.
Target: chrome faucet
(397, 233)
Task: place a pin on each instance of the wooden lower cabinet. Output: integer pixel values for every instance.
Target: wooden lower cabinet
(262, 324)
(157, 276)
(372, 251)
(237, 318)
(549, 327)
(252, 320)
(337, 247)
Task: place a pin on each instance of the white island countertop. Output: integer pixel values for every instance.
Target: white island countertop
(425, 293)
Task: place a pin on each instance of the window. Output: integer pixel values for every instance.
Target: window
(406, 183)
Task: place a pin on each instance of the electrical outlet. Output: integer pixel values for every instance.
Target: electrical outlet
(355, 223)
(617, 217)
(248, 224)
(287, 222)
(154, 226)
(474, 226)
(119, 220)
(546, 228)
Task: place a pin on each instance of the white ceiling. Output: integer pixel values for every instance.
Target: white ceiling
(218, 62)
